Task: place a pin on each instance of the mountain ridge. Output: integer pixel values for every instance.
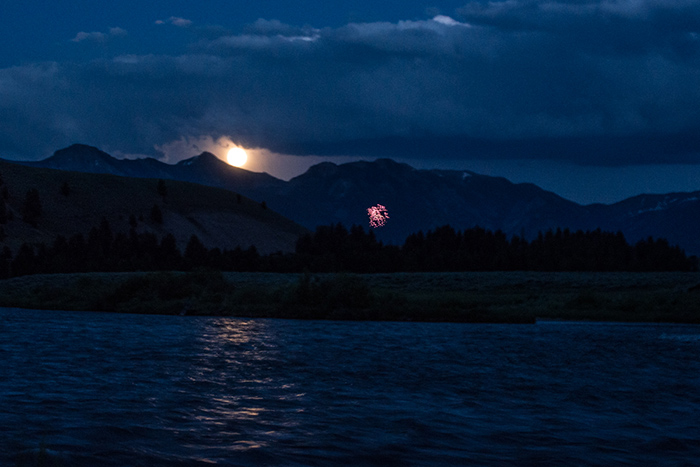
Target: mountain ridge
(420, 199)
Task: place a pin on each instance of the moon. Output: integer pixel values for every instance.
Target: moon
(237, 157)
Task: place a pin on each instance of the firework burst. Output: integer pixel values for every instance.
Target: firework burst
(378, 216)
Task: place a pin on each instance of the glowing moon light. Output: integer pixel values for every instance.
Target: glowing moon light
(237, 157)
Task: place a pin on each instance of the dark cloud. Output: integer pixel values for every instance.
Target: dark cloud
(617, 27)
(590, 82)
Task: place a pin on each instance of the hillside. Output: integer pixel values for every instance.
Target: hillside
(220, 218)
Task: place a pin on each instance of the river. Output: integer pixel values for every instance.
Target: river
(100, 389)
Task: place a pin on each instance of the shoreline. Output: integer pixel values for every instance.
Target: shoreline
(474, 297)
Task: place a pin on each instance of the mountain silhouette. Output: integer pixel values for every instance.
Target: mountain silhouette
(416, 199)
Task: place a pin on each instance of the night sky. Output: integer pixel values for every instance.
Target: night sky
(594, 100)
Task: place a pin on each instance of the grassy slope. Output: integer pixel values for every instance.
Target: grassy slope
(475, 297)
(213, 214)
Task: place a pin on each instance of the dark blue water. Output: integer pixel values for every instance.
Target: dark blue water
(89, 389)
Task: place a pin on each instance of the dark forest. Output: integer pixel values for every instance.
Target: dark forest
(334, 248)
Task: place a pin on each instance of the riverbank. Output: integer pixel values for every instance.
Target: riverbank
(495, 297)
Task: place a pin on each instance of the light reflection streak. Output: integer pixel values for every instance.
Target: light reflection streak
(243, 380)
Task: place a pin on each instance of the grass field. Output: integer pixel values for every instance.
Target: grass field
(517, 297)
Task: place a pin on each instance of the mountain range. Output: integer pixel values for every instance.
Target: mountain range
(415, 199)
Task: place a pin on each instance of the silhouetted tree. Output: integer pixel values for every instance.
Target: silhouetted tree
(77, 250)
(195, 252)
(24, 261)
(263, 205)
(99, 245)
(60, 260)
(132, 221)
(169, 257)
(147, 248)
(156, 214)
(248, 260)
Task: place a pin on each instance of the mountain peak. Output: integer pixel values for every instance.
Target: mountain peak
(328, 168)
(205, 158)
(80, 152)
(386, 162)
(82, 158)
(323, 168)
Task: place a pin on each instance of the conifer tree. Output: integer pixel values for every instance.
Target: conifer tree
(169, 256)
(195, 252)
(156, 214)
(23, 263)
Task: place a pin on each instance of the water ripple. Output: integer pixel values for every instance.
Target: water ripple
(106, 389)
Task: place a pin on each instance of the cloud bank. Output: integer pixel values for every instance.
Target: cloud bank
(598, 83)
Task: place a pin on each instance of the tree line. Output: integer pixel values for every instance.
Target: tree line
(104, 251)
(334, 248)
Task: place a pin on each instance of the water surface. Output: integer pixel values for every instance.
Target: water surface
(93, 389)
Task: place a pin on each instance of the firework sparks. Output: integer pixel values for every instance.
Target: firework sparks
(377, 216)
